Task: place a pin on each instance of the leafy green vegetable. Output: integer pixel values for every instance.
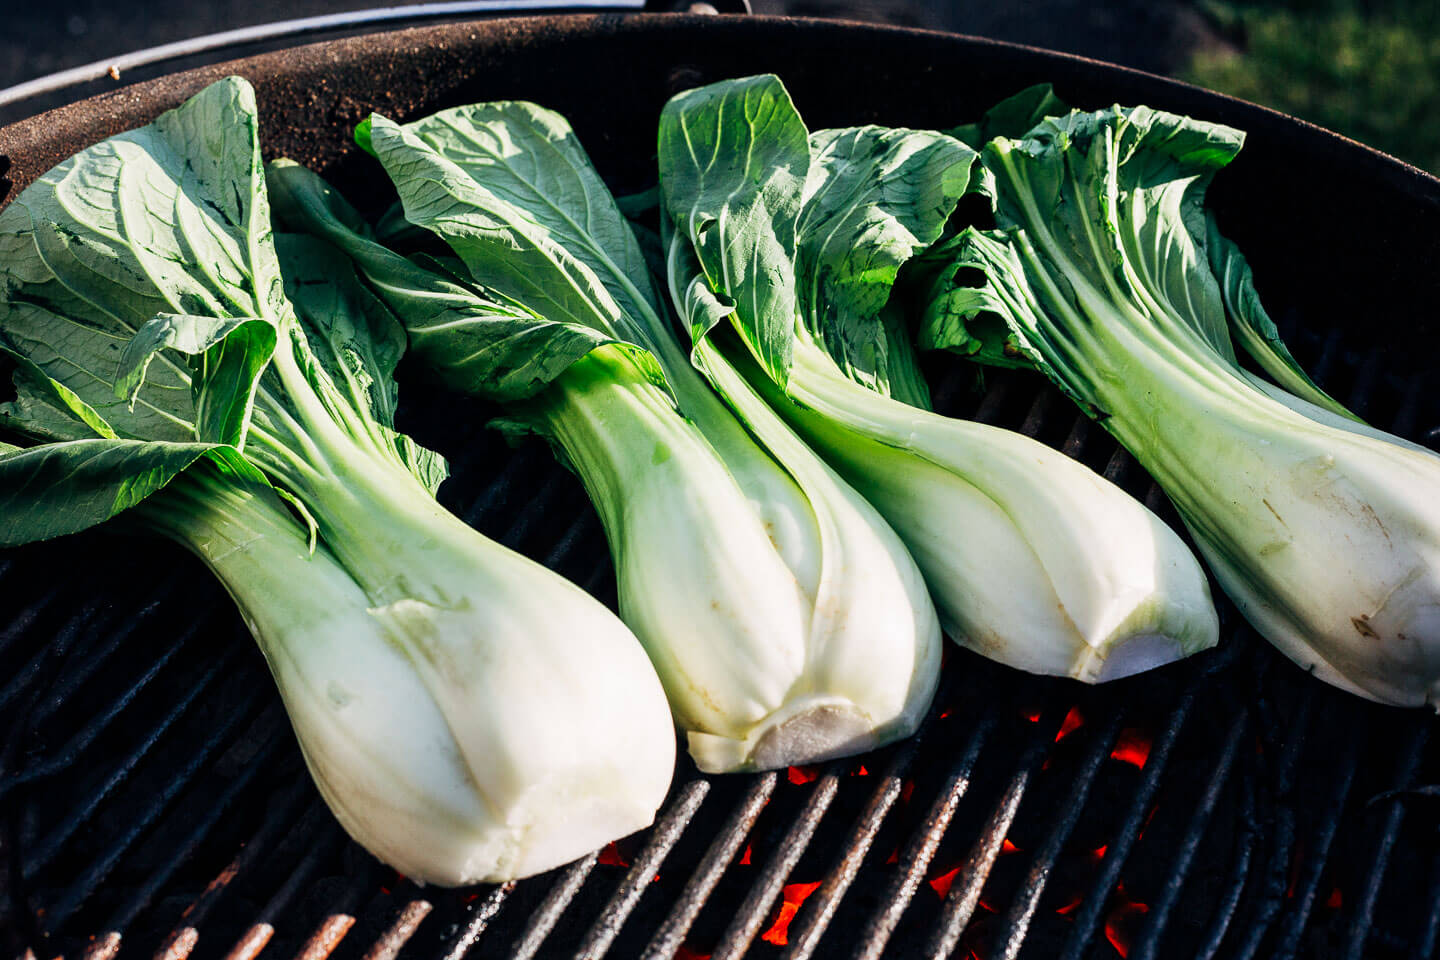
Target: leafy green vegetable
(989, 515)
(785, 619)
(162, 373)
(1114, 283)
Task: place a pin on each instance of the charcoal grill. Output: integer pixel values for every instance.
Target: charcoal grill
(153, 801)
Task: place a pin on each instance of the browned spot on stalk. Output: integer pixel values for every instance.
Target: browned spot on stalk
(1362, 625)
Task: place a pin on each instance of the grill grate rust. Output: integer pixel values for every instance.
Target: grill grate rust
(153, 802)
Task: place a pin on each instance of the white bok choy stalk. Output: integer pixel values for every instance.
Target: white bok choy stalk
(786, 620)
(796, 239)
(467, 714)
(1106, 274)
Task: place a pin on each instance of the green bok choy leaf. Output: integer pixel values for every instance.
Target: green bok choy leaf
(1108, 275)
(786, 620)
(467, 714)
(796, 239)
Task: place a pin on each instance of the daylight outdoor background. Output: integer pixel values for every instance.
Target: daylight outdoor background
(1366, 68)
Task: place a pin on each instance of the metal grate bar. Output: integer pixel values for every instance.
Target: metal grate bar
(326, 937)
(1425, 946)
(80, 889)
(1149, 940)
(1308, 883)
(1087, 916)
(994, 401)
(20, 625)
(277, 816)
(716, 860)
(1230, 903)
(186, 847)
(663, 838)
(24, 678)
(825, 901)
(960, 902)
(767, 886)
(534, 511)
(1271, 897)
(486, 912)
(1370, 894)
(543, 919)
(1017, 920)
(44, 850)
(922, 846)
(506, 480)
(94, 659)
(389, 943)
(82, 738)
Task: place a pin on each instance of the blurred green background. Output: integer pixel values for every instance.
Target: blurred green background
(1366, 68)
(1369, 69)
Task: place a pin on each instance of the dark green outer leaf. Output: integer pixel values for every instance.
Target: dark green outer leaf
(1012, 117)
(355, 339)
(733, 160)
(995, 318)
(227, 356)
(874, 197)
(62, 488)
(504, 247)
(529, 158)
(472, 339)
(1252, 326)
(1123, 187)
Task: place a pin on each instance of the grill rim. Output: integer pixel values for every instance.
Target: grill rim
(547, 30)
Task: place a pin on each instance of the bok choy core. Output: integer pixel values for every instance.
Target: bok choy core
(785, 618)
(796, 239)
(467, 714)
(1107, 275)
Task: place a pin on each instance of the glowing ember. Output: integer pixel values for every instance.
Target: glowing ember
(862, 772)
(1335, 900)
(1033, 717)
(1069, 908)
(799, 775)
(1070, 724)
(685, 953)
(1133, 747)
(894, 856)
(1146, 825)
(1007, 847)
(611, 856)
(745, 857)
(941, 884)
(1123, 923)
(984, 906)
(944, 714)
(1099, 851)
(792, 897)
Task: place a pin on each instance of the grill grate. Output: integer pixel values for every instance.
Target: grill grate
(153, 802)
(156, 803)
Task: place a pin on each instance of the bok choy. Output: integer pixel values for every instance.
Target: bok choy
(796, 239)
(467, 714)
(1106, 274)
(785, 618)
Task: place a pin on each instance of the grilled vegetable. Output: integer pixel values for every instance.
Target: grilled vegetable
(467, 714)
(785, 618)
(795, 239)
(1108, 276)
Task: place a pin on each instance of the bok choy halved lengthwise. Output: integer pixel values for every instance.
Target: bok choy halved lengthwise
(1108, 276)
(785, 618)
(796, 239)
(467, 714)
